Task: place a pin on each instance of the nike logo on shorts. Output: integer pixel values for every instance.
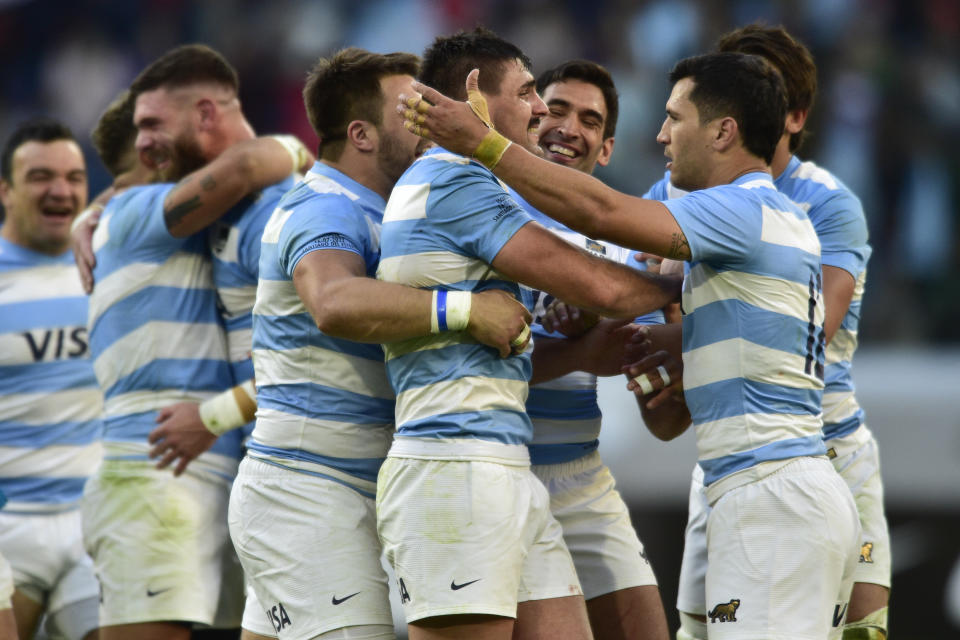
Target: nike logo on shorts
(150, 593)
(335, 601)
(456, 587)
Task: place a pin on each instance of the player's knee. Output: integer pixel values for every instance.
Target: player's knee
(691, 628)
(873, 626)
(360, 632)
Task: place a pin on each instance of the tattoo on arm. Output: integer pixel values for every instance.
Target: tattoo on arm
(679, 248)
(208, 183)
(175, 214)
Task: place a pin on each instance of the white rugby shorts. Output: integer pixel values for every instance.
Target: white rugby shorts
(596, 525)
(781, 555)
(158, 544)
(857, 460)
(6, 584)
(309, 547)
(49, 566)
(469, 536)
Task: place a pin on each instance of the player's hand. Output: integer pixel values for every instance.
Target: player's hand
(454, 125)
(566, 319)
(499, 320)
(651, 260)
(82, 239)
(658, 377)
(180, 435)
(606, 343)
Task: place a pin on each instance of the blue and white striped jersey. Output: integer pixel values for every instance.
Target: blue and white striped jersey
(235, 246)
(50, 404)
(564, 411)
(156, 337)
(837, 217)
(752, 326)
(325, 406)
(445, 222)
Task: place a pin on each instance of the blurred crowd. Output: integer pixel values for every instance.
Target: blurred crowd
(886, 123)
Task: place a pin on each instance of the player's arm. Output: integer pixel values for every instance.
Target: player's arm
(542, 260)
(598, 351)
(346, 303)
(576, 199)
(207, 193)
(838, 288)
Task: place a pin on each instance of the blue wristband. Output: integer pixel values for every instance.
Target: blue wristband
(442, 309)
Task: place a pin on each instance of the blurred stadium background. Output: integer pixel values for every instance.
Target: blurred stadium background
(887, 122)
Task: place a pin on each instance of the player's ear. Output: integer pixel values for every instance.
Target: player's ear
(726, 134)
(606, 150)
(796, 120)
(362, 135)
(207, 111)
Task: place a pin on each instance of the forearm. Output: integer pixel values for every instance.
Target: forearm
(366, 310)
(555, 357)
(668, 420)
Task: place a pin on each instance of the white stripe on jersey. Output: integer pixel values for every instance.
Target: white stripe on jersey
(154, 340)
(69, 405)
(39, 283)
(838, 406)
(810, 171)
(711, 363)
(229, 251)
(340, 439)
(393, 350)
(842, 347)
(271, 232)
(234, 298)
(573, 381)
(706, 286)
(179, 269)
(462, 395)
(278, 298)
(320, 183)
(713, 438)
(324, 367)
(431, 268)
(407, 202)
(124, 404)
(565, 431)
(786, 229)
(238, 344)
(54, 461)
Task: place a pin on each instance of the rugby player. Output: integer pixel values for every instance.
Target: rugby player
(464, 522)
(50, 404)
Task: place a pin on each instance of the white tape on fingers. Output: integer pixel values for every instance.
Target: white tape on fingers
(520, 339)
(644, 383)
(664, 375)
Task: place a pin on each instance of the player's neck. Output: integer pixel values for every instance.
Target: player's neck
(781, 157)
(363, 168)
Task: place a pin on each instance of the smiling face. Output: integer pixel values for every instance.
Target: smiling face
(48, 188)
(167, 139)
(571, 133)
(516, 110)
(687, 142)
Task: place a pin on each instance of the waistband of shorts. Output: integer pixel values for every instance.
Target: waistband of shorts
(844, 445)
(760, 471)
(467, 449)
(582, 464)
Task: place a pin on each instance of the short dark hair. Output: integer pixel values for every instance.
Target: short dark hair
(346, 87)
(115, 134)
(791, 58)
(449, 59)
(40, 129)
(185, 65)
(744, 87)
(591, 73)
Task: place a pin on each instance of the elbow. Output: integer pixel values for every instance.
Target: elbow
(328, 318)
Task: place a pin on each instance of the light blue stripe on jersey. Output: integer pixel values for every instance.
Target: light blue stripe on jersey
(564, 411)
(324, 404)
(837, 216)
(50, 404)
(445, 222)
(753, 393)
(156, 336)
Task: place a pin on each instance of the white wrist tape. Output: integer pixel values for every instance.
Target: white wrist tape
(450, 310)
(522, 338)
(664, 375)
(83, 215)
(231, 409)
(298, 153)
(644, 383)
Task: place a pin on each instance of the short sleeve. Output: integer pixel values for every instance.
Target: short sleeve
(312, 223)
(842, 230)
(720, 225)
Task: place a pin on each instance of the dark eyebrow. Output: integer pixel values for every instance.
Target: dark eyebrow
(559, 103)
(35, 172)
(528, 85)
(593, 113)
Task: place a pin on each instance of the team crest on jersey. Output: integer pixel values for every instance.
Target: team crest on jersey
(594, 246)
(726, 612)
(866, 552)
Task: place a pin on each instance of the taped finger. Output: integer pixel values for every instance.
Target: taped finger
(664, 375)
(644, 383)
(522, 338)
